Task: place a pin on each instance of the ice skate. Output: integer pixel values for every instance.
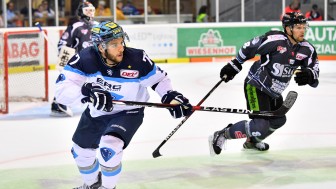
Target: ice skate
(217, 141)
(96, 185)
(260, 146)
(60, 110)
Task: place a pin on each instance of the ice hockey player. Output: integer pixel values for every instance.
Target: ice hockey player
(281, 53)
(76, 37)
(111, 71)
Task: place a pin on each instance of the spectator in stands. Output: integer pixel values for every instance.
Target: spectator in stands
(119, 12)
(314, 14)
(14, 18)
(1, 20)
(47, 10)
(39, 12)
(294, 6)
(102, 10)
(202, 14)
(150, 11)
(130, 9)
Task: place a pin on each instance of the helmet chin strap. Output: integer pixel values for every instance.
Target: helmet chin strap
(106, 59)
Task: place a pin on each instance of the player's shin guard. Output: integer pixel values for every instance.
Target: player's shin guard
(87, 163)
(109, 156)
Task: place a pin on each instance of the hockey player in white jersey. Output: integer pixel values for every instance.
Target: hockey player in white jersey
(111, 71)
(76, 37)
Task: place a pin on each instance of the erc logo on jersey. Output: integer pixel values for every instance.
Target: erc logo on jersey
(129, 73)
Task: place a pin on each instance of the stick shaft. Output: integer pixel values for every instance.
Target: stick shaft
(156, 152)
(194, 108)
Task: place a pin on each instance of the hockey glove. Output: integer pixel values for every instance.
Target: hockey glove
(183, 107)
(230, 70)
(304, 76)
(100, 98)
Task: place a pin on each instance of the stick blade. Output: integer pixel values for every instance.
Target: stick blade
(156, 153)
(290, 99)
(287, 104)
(285, 107)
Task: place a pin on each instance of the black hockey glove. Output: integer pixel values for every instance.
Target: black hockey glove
(230, 70)
(184, 108)
(100, 98)
(304, 76)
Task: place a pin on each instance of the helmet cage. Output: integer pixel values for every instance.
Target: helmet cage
(89, 11)
(86, 11)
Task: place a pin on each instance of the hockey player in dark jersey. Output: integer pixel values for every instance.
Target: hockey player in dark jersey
(76, 37)
(281, 54)
(99, 74)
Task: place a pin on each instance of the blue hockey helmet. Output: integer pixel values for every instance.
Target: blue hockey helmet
(107, 31)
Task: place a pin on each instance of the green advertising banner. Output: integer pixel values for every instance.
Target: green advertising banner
(226, 41)
(323, 38)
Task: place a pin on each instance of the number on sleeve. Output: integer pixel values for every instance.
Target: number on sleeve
(145, 58)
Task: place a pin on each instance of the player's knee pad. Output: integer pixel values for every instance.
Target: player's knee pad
(257, 128)
(110, 155)
(278, 122)
(85, 159)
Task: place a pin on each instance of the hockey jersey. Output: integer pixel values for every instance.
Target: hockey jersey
(278, 61)
(76, 36)
(128, 80)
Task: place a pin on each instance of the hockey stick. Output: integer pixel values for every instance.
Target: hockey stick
(156, 152)
(287, 104)
(37, 24)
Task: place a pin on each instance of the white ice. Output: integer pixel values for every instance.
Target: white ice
(30, 138)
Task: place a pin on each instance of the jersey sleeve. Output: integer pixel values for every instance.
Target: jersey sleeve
(311, 62)
(154, 76)
(261, 45)
(69, 83)
(66, 38)
(249, 49)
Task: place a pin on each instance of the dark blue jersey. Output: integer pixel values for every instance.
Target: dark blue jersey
(76, 36)
(278, 61)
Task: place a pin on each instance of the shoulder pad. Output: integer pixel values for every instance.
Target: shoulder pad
(274, 32)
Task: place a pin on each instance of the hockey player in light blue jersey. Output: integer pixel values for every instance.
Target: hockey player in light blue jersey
(99, 74)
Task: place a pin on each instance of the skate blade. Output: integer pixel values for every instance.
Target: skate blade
(212, 152)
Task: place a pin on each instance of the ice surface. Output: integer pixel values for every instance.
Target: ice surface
(35, 148)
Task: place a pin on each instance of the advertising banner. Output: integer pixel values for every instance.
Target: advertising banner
(323, 38)
(216, 41)
(25, 49)
(157, 42)
(226, 41)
